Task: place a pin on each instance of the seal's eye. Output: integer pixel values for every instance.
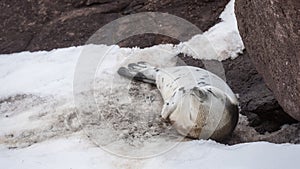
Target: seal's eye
(199, 93)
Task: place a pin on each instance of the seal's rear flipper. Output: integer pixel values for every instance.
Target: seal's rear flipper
(125, 72)
(140, 71)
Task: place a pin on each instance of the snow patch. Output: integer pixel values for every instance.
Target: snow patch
(220, 42)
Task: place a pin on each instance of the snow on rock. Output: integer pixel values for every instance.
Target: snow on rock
(220, 42)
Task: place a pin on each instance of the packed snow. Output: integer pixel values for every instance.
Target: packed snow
(76, 153)
(40, 126)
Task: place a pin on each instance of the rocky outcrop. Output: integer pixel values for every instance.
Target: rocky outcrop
(270, 31)
(44, 25)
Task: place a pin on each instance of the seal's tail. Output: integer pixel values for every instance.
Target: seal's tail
(140, 71)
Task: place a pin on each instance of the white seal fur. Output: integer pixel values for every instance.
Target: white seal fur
(199, 103)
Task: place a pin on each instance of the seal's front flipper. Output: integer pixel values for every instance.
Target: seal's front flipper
(167, 110)
(171, 104)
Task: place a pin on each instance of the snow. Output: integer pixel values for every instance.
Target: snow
(38, 71)
(40, 129)
(74, 152)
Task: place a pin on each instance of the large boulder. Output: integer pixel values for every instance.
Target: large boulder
(270, 31)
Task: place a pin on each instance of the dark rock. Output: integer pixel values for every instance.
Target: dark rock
(45, 25)
(65, 33)
(82, 3)
(147, 40)
(256, 100)
(188, 60)
(270, 31)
